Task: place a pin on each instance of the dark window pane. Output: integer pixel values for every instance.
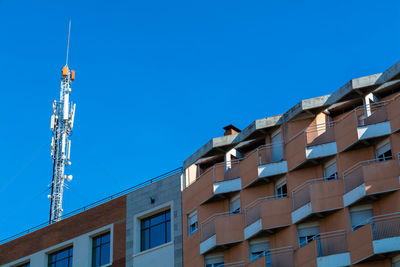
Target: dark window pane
(62, 255)
(62, 263)
(157, 235)
(168, 226)
(158, 231)
(101, 250)
(105, 238)
(157, 219)
(105, 254)
(62, 258)
(145, 240)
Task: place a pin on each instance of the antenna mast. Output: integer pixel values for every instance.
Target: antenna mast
(62, 122)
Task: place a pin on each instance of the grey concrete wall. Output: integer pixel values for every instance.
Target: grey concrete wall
(164, 192)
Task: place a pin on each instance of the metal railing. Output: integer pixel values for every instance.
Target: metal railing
(386, 226)
(270, 153)
(319, 134)
(278, 257)
(376, 113)
(252, 212)
(222, 171)
(330, 243)
(383, 226)
(97, 203)
(207, 227)
(301, 194)
(354, 176)
(365, 114)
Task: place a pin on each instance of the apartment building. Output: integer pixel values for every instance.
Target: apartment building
(315, 186)
(141, 226)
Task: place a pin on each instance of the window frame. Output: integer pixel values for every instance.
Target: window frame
(23, 264)
(60, 250)
(358, 209)
(279, 186)
(99, 235)
(233, 201)
(259, 253)
(191, 215)
(307, 238)
(326, 166)
(380, 156)
(142, 229)
(214, 260)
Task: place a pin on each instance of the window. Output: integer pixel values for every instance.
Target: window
(26, 264)
(277, 149)
(216, 260)
(62, 258)
(101, 250)
(330, 170)
(155, 230)
(360, 216)
(281, 188)
(192, 222)
(383, 151)
(306, 232)
(234, 204)
(258, 247)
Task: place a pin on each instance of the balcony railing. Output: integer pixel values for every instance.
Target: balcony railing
(319, 134)
(301, 195)
(330, 243)
(316, 134)
(354, 176)
(277, 257)
(222, 171)
(377, 113)
(253, 210)
(386, 226)
(208, 226)
(270, 153)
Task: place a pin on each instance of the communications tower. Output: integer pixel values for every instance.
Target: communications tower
(61, 125)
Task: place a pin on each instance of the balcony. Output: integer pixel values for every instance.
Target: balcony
(380, 235)
(267, 214)
(262, 164)
(353, 129)
(215, 183)
(325, 249)
(316, 197)
(221, 230)
(370, 177)
(276, 257)
(393, 110)
(310, 145)
(332, 249)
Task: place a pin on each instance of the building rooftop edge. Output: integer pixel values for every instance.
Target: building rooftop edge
(304, 105)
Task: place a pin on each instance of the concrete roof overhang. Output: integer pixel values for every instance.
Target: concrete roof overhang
(345, 96)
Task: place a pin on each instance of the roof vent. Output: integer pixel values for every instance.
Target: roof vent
(230, 129)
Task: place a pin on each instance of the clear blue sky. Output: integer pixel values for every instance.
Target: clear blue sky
(158, 79)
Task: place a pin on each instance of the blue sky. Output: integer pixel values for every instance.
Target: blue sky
(158, 79)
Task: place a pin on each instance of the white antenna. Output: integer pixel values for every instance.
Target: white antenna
(61, 126)
(69, 33)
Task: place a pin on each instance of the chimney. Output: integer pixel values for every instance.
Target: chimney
(230, 129)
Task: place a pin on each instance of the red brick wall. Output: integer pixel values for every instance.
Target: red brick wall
(110, 212)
